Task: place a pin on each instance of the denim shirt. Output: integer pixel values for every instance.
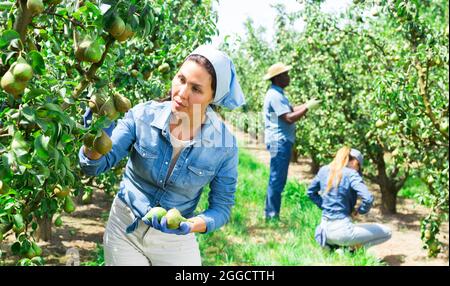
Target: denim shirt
(275, 105)
(339, 202)
(211, 158)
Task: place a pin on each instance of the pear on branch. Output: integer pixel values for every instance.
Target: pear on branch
(36, 7)
(97, 101)
(127, 33)
(115, 26)
(16, 78)
(109, 110)
(121, 103)
(12, 86)
(103, 144)
(89, 51)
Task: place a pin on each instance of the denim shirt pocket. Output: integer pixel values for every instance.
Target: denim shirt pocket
(145, 152)
(197, 176)
(143, 160)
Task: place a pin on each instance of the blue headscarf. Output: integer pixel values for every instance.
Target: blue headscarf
(228, 91)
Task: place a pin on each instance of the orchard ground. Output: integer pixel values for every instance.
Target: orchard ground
(83, 230)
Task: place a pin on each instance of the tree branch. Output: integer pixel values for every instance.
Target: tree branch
(90, 74)
(24, 18)
(71, 20)
(423, 91)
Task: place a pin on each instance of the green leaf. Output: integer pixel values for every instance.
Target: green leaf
(5, 6)
(35, 92)
(19, 143)
(66, 138)
(66, 120)
(66, 162)
(29, 114)
(41, 146)
(70, 178)
(38, 260)
(24, 262)
(18, 220)
(7, 36)
(8, 205)
(37, 62)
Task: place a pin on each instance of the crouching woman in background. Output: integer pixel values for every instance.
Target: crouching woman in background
(335, 190)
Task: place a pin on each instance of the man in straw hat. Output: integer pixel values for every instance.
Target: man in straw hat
(280, 118)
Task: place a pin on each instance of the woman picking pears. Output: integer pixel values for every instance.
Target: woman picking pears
(175, 149)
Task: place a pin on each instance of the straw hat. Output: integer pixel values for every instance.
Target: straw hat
(276, 69)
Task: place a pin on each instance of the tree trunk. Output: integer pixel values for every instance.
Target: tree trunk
(388, 200)
(44, 231)
(314, 166)
(294, 156)
(387, 187)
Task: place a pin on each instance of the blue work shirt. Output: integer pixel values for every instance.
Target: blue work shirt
(275, 105)
(340, 202)
(211, 158)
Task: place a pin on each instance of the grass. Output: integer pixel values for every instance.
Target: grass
(248, 240)
(97, 256)
(416, 189)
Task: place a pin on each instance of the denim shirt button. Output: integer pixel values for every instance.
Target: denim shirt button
(167, 163)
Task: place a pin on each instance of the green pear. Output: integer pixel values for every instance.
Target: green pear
(158, 211)
(174, 218)
(35, 6)
(116, 26)
(108, 109)
(380, 123)
(61, 192)
(103, 144)
(164, 68)
(96, 101)
(121, 103)
(69, 205)
(58, 221)
(134, 73)
(11, 85)
(93, 53)
(89, 51)
(23, 72)
(127, 33)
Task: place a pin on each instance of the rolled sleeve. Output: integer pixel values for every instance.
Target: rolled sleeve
(88, 166)
(357, 184)
(122, 138)
(222, 195)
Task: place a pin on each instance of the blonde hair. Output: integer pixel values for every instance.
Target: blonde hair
(339, 162)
